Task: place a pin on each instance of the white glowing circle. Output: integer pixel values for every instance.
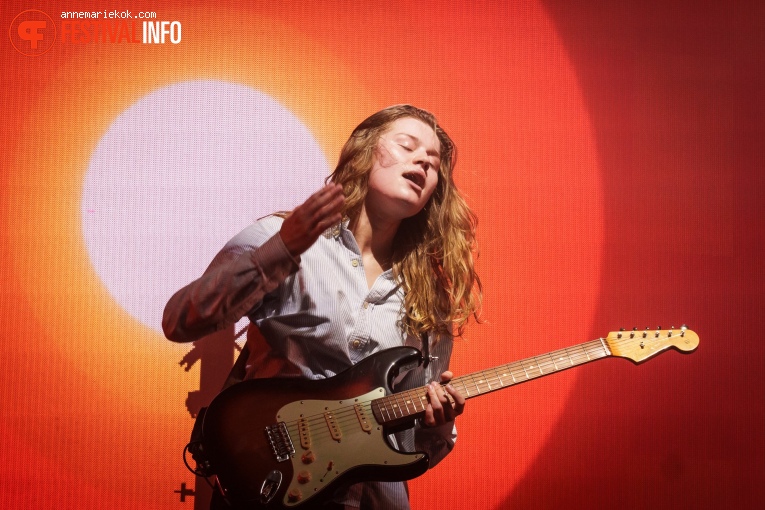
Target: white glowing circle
(178, 174)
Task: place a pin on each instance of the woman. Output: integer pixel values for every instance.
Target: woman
(380, 257)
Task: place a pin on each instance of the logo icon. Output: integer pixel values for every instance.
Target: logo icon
(32, 33)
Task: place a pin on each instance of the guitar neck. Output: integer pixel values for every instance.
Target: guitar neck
(504, 376)
(400, 407)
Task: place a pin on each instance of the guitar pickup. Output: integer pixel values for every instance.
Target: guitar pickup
(281, 443)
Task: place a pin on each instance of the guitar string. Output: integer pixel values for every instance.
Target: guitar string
(650, 336)
(346, 421)
(346, 416)
(398, 404)
(492, 382)
(401, 402)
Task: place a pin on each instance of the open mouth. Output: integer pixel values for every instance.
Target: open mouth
(416, 178)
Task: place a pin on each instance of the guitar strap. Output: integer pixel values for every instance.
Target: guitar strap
(239, 370)
(236, 375)
(426, 359)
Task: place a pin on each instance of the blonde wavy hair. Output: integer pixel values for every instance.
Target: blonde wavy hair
(433, 251)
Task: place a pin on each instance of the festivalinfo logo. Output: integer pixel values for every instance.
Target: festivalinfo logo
(33, 32)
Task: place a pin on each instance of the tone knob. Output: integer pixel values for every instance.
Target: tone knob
(304, 477)
(294, 495)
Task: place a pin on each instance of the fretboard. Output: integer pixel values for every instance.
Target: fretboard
(409, 404)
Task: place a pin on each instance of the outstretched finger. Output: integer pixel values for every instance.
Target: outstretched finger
(326, 195)
(434, 413)
(327, 216)
(457, 398)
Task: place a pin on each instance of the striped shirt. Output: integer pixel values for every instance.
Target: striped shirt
(316, 317)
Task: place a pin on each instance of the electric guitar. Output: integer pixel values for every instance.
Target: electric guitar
(289, 443)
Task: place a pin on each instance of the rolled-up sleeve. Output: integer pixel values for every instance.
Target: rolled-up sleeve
(250, 266)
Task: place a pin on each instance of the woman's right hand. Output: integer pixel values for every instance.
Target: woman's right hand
(303, 226)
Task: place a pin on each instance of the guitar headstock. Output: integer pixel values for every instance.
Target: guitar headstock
(641, 345)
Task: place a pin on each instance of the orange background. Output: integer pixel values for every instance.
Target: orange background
(611, 150)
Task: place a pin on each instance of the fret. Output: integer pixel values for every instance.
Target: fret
(488, 382)
(499, 371)
(540, 364)
(563, 357)
(591, 354)
(499, 377)
(568, 355)
(397, 404)
(598, 349)
(463, 388)
(512, 375)
(423, 399)
(539, 368)
(407, 398)
(405, 403)
(547, 362)
(393, 405)
(383, 408)
(479, 384)
(575, 353)
(477, 389)
(520, 371)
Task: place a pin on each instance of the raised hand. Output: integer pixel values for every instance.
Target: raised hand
(306, 222)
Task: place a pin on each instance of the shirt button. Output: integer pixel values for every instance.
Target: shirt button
(366, 304)
(356, 344)
(355, 262)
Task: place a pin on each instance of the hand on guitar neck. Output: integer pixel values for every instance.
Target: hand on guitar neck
(441, 409)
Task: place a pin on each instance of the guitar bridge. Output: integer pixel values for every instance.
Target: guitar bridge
(280, 441)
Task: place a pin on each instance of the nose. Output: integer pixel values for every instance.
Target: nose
(420, 158)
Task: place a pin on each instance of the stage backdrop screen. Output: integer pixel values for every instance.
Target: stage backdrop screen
(611, 151)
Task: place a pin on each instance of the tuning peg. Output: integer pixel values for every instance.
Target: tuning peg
(620, 333)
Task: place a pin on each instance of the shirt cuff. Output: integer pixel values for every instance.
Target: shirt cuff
(274, 261)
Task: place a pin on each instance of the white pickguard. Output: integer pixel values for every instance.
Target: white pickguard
(338, 439)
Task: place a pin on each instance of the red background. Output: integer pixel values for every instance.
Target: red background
(612, 151)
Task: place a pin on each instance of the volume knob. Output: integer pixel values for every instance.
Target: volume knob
(294, 495)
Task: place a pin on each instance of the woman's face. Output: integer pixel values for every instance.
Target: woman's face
(405, 170)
